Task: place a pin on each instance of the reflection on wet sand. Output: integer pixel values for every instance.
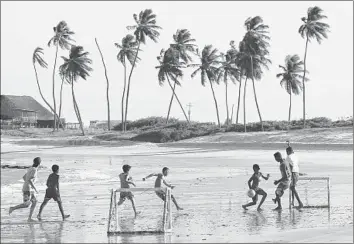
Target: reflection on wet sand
(52, 234)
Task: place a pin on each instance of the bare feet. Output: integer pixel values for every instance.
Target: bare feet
(137, 213)
(11, 210)
(30, 220)
(39, 217)
(277, 208)
(259, 209)
(179, 208)
(274, 200)
(244, 207)
(66, 216)
(301, 205)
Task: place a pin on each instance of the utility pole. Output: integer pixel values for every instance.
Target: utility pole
(189, 105)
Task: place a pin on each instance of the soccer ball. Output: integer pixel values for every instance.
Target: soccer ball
(251, 193)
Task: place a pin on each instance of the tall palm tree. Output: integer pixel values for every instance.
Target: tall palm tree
(145, 27)
(183, 44)
(107, 89)
(74, 67)
(290, 77)
(61, 38)
(209, 59)
(128, 50)
(61, 93)
(255, 43)
(170, 67)
(37, 58)
(312, 28)
(229, 70)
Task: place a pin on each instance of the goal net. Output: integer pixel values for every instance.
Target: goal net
(154, 215)
(314, 192)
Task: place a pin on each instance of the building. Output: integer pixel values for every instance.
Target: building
(103, 124)
(25, 111)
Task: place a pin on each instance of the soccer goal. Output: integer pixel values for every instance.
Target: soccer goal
(314, 192)
(152, 206)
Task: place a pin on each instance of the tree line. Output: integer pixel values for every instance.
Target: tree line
(242, 62)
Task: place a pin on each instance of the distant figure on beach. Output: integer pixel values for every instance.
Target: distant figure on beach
(158, 183)
(125, 181)
(52, 192)
(255, 179)
(29, 189)
(284, 182)
(293, 161)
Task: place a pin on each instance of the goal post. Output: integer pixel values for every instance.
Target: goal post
(314, 192)
(113, 216)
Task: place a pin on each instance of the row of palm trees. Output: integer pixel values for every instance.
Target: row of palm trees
(246, 61)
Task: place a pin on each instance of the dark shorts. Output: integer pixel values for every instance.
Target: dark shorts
(294, 178)
(259, 191)
(282, 186)
(125, 195)
(29, 196)
(162, 195)
(52, 193)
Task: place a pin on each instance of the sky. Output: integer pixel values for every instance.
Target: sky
(27, 25)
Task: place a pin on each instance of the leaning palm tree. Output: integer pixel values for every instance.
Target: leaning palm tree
(107, 89)
(61, 92)
(128, 50)
(74, 67)
(290, 77)
(145, 27)
(61, 38)
(183, 44)
(312, 28)
(37, 58)
(170, 67)
(209, 59)
(229, 71)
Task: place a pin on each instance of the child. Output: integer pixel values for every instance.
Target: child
(255, 179)
(29, 189)
(294, 166)
(158, 183)
(125, 181)
(52, 192)
(284, 182)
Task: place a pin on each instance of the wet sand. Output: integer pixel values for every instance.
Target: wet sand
(210, 185)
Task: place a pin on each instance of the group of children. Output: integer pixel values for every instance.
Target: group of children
(289, 170)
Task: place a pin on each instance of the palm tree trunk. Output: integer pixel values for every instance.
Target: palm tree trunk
(169, 107)
(244, 104)
(289, 112)
(303, 86)
(61, 101)
(227, 106)
(128, 89)
(238, 102)
(232, 112)
(174, 93)
(76, 108)
(125, 84)
(53, 89)
(107, 91)
(216, 103)
(40, 92)
(255, 96)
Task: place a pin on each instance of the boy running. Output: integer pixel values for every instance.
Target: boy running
(158, 183)
(52, 192)
(29, 189)
(284, 182)
(255, 179)
(125, 181)
(294, 166)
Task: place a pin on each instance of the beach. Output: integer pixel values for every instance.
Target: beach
(211, 183)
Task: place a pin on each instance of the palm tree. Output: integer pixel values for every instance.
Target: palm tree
(312, 28)
(208, 70)
(37, 58)
(290, 77)
(184, 47)
(128, 50)
(229, 70)
(145, 27)
(61, 92)
(170, 67)
(61, 38)
(254, 45)
(74, 67)
(107, 90)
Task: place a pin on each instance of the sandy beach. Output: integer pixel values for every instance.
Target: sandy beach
(210, 181)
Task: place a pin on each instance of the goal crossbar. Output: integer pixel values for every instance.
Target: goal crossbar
(137, 189)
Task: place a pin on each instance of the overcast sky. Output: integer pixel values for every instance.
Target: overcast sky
(27, 25)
